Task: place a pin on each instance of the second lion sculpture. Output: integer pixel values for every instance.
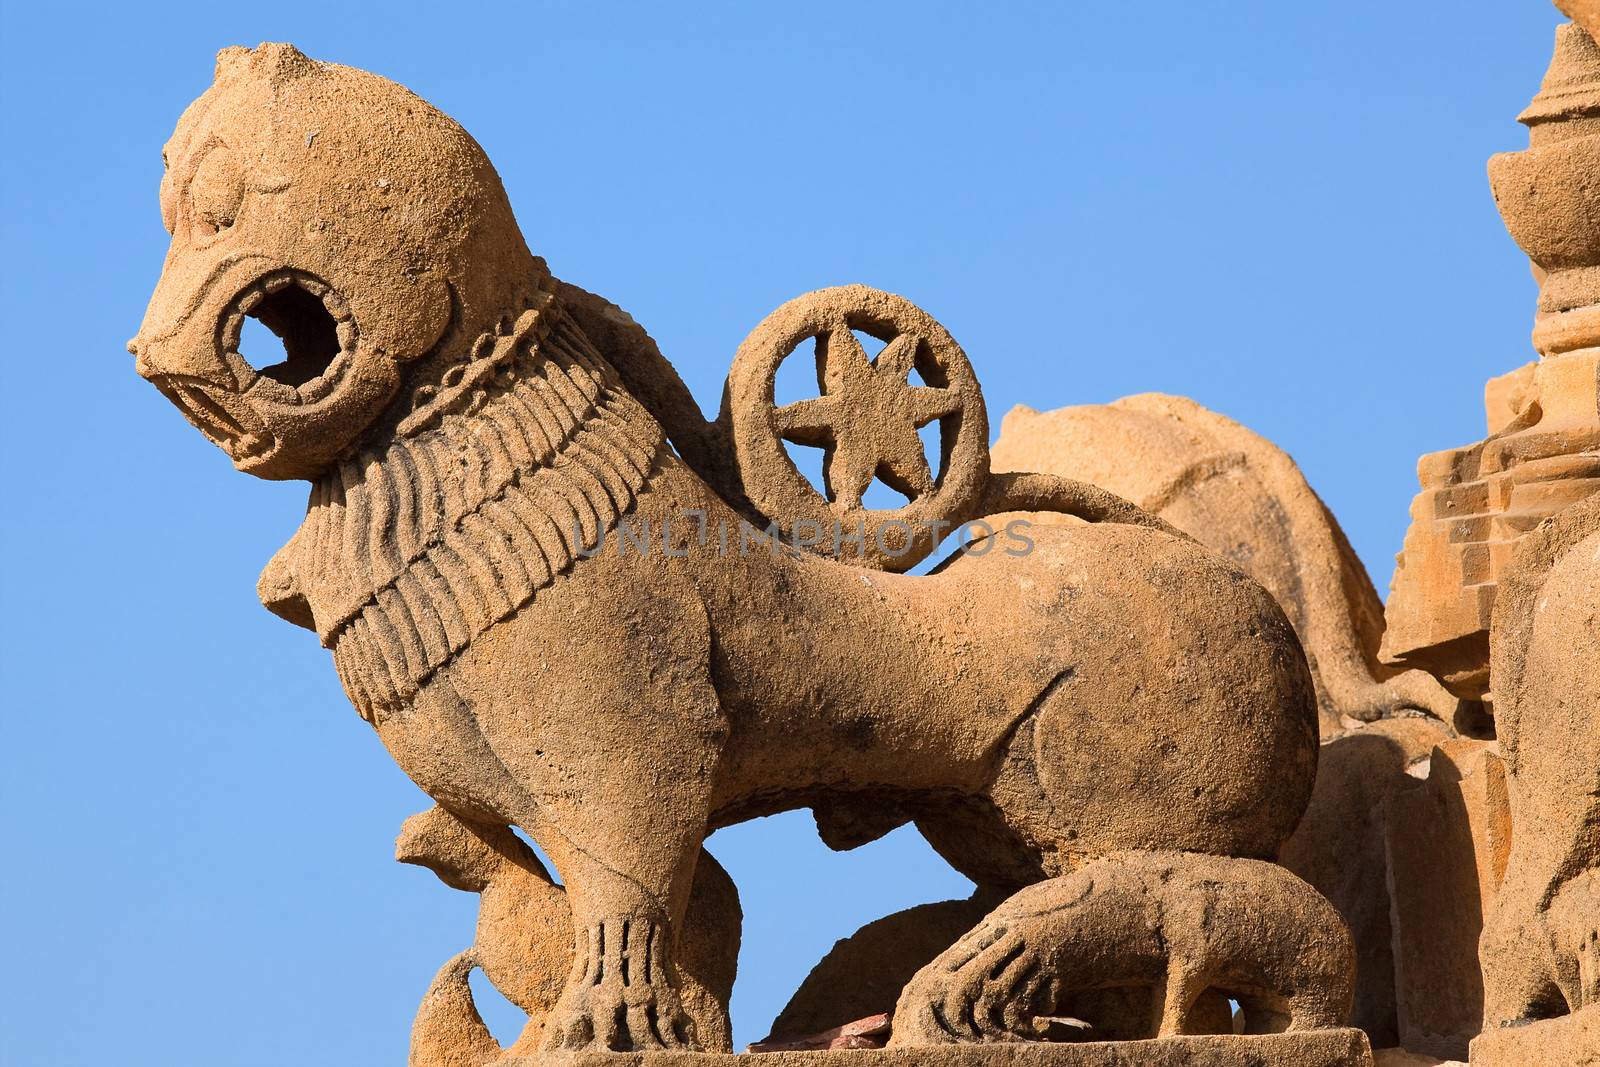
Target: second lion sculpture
(470, 445)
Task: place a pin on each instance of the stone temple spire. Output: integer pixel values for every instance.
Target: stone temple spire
(1543, 449)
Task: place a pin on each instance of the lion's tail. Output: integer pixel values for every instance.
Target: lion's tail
(1011, 491)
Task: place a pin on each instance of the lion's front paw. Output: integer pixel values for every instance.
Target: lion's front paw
(980, 990)
(621, 997)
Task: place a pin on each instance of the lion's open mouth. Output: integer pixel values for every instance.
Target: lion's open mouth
(222, 416)
(210, 414)
(318, 334)
(313, 322)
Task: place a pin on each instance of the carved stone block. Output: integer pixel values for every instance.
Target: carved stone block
(1339, 847)
(1447, 842)
(1571, 1041)
(1475, 504)
(1322, 1048)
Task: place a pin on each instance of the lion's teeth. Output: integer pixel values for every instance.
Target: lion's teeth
(230, 331)
(312, 286)
(346, 331)
(335, 305)
(277, 282)
(248, 302)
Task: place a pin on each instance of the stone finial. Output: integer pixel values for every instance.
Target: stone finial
(1544, 419)
(1549, 200)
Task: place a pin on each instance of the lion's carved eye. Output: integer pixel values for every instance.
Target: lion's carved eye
(216, 192)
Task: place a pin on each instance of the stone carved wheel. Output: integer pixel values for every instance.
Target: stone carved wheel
(866, 422)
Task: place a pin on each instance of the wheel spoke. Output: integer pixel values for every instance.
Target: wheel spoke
(840, 358)
(808, 422)
(849, 470)
(908, 473)
(898, 356)
(929, 403)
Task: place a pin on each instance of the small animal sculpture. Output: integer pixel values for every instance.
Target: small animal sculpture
(524, 941)
(477, 463)
(1166, 928)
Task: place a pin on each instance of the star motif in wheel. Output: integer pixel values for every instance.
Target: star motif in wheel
(867, 418)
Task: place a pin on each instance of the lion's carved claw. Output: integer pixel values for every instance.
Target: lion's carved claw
(621, 997)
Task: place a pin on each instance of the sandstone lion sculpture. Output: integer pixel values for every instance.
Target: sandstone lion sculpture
(481, 441)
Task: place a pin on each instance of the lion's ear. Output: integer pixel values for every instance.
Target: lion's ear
(427, 315)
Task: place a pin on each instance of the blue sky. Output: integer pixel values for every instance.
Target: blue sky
(1277, 209)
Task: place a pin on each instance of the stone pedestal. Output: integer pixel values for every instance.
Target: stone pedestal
(1570, 1041)
(1399, 1057)
(1315, 1048)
